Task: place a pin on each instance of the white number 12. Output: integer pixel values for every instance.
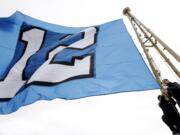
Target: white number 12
(50, 73)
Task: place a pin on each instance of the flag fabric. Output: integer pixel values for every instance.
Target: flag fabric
(43, 61)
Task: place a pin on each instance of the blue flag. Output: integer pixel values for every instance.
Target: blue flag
(42, 61)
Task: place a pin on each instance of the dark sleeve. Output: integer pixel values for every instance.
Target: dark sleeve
(172, 101)
(177, 86)
(169, 93)
(174, 90)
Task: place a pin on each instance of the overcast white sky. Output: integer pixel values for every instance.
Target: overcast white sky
(134, 113)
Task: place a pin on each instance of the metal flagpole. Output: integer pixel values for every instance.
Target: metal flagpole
(150, 38)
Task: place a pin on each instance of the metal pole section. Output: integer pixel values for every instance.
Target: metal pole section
(159, 50)
(174, 54)
(146, 31)
(149, 58)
